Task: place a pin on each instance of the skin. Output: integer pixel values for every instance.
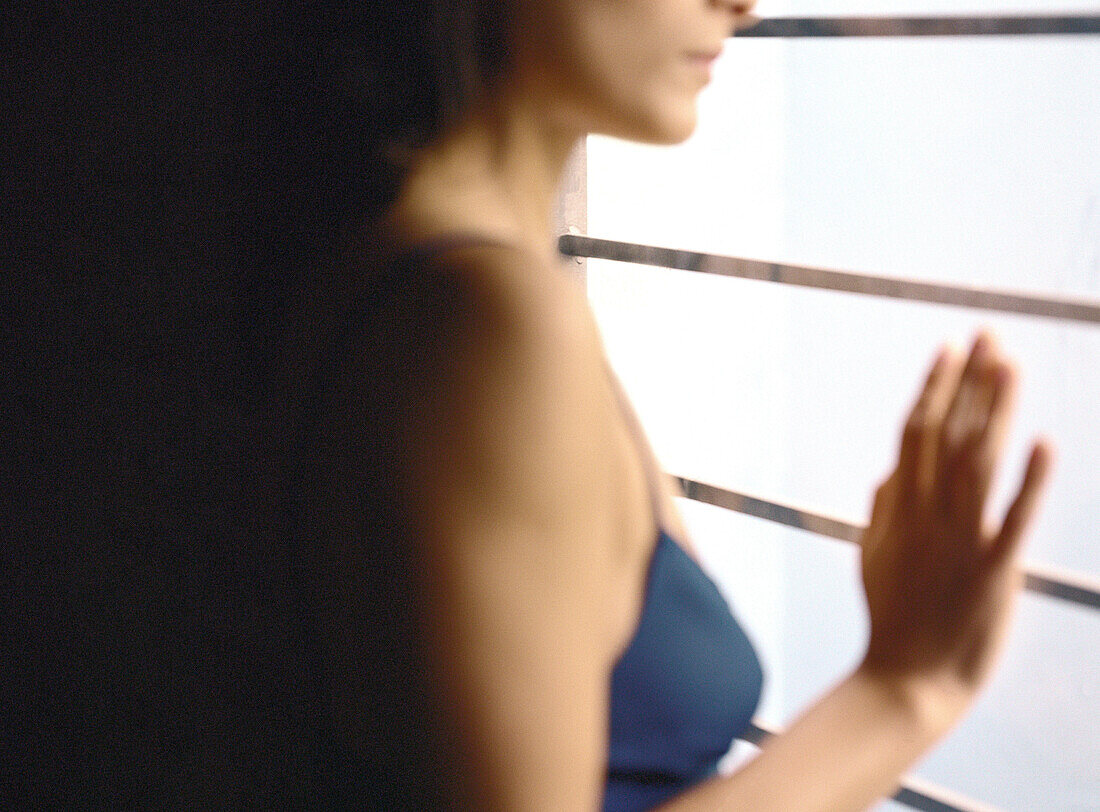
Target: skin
(539, 525)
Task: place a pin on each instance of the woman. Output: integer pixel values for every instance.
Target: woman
(326, 495)
(550, 567)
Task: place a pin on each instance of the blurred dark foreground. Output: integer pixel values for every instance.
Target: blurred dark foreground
(165, 196)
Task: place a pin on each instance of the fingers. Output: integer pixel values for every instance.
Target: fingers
(1024, 506)
(971, 401)
(954, 440)
(973, 435)
(976, 461)
(917, 458)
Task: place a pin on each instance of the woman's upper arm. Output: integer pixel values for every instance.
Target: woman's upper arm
(506, 488)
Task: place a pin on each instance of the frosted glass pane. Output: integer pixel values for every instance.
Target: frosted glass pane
(886, 8)
(799, 395)
(965, 160)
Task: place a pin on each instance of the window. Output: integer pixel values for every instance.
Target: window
(963, 162)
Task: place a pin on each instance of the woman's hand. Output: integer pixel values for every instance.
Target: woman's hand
(940, 581)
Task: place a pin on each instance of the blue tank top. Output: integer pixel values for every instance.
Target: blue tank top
(684, 689)
(688, 682)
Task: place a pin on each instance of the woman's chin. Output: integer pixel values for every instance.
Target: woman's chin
(667, 126)
(676, 132)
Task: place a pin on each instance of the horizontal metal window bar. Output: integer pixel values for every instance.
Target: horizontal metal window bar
(914, 792)
(941, 26)
(1073, 587)
(1068, 309)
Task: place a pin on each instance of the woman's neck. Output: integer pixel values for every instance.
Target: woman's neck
(498, 173)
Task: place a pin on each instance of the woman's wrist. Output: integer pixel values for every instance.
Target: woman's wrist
(930, 706)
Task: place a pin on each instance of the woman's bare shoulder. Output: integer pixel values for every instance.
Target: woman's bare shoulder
(484, 356)
(509, 479)
(519, 380)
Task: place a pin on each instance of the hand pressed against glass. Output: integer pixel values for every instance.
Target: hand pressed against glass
(939, 579)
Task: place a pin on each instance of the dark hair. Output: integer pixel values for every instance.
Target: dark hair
(176, 176)
(388, 79)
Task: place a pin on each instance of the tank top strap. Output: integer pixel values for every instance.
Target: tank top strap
(653, 485)
(427, 249)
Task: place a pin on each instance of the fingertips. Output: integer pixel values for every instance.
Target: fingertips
(983, 353)
(917, 455)
(939, 364)
(1045, 454)
(975, 457)
(969, 407)
(971, 439)
(942, 378)
(1005, 381)
(1040, 466)
(999, 402)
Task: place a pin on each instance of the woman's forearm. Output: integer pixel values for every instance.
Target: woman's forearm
(845, 752)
